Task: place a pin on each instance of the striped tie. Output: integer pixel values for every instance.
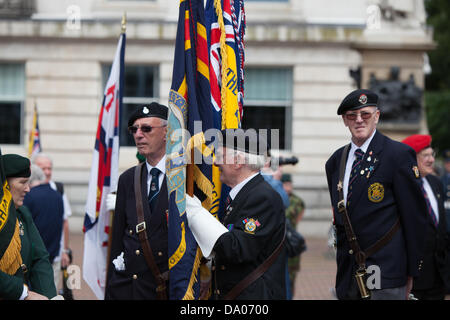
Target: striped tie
(359, 154)
(154, 188)
(429, 207)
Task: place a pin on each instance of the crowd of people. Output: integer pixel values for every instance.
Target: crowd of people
(390, 217)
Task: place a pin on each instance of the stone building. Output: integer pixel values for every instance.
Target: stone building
(302, 57)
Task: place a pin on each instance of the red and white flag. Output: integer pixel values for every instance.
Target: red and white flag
(104, 177)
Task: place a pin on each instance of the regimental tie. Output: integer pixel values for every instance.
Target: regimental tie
(154, 188)
(359, 154)
(429, 207)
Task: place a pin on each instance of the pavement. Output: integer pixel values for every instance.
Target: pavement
(315, 281)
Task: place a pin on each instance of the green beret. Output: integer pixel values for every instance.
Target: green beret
(286, 177)
(16, 166)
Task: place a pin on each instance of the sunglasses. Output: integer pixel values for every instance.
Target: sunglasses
(144, 129)
(364, 115)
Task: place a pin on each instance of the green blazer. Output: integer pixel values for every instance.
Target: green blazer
(39, 275)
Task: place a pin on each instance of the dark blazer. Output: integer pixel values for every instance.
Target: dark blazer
(239, 252)
(392, 168)
(136, 282)
(436, 265)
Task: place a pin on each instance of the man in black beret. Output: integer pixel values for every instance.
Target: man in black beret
(378, 207)
(32, 278)
(138, 264)
(253, 226)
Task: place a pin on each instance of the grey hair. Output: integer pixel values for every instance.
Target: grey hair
(41, 155)
(37, 175)
(253, 161)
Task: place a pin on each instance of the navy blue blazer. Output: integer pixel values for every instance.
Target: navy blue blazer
(391, 191)
(136, 282)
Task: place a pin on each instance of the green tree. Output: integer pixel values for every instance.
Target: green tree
(437, 84)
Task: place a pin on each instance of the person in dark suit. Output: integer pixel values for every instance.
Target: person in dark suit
(253, 226)
(383, 199)
(129, 275)
(430, 285)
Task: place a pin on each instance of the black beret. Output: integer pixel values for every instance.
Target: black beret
(152, 110)
(248, 141)
(358, 99)
(16, 166)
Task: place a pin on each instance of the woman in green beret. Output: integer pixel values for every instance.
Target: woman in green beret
(33, 280)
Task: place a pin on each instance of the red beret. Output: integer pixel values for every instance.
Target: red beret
(418, 141)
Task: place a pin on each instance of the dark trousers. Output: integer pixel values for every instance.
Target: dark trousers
(435, 293)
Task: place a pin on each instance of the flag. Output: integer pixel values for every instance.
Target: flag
(226, 29)
(104, 177)
(225, 21)
(190, 114)
(34, 144)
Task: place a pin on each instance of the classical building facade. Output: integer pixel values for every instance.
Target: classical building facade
(302, 57)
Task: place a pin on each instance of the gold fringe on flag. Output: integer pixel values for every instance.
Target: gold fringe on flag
(12, 260)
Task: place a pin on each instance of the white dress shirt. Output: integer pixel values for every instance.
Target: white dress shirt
(431, 197)
(161, 165)
(350, 159)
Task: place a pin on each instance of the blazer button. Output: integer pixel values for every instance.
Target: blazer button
(138, 252)
(134, 276)
(350, 251)
(130, 231)
(160, 253)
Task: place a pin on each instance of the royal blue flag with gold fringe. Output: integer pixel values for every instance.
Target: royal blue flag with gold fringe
(189, 117)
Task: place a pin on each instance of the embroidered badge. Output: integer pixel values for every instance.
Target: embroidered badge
(145, 110)
(376, 192)
(416, 171)
(362, 99)
(250, 225)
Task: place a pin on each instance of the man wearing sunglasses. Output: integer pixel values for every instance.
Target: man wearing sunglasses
(137, 267)
(378, 207)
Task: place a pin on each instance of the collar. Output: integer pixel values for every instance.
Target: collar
(364, 146)
(161, 165)
(233, 192)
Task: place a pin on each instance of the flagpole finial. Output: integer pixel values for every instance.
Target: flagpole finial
(124, 22)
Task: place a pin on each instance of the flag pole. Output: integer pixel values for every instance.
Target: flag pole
(111, 212)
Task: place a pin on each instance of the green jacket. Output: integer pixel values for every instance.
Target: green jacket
(39, 277)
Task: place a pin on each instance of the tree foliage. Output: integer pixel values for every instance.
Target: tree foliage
(437, 84)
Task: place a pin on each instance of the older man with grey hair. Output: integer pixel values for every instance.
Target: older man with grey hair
(45, 162)
(248, 258)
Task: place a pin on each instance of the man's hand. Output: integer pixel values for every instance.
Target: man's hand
(111, 201)
(409, 285)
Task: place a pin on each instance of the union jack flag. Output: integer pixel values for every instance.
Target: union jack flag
(34, 144)
(226, 26)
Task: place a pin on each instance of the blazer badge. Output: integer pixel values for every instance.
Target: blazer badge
(416, 171)
(376, 192)
(250, 225)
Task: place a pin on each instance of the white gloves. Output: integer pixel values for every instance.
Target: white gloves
(119, 262)
(110, 201)
(204, 226)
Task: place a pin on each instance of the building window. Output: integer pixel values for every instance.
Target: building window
(12, 97)
(141, 87)
(268, 101)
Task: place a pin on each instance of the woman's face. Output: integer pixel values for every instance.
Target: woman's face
(19, 188)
